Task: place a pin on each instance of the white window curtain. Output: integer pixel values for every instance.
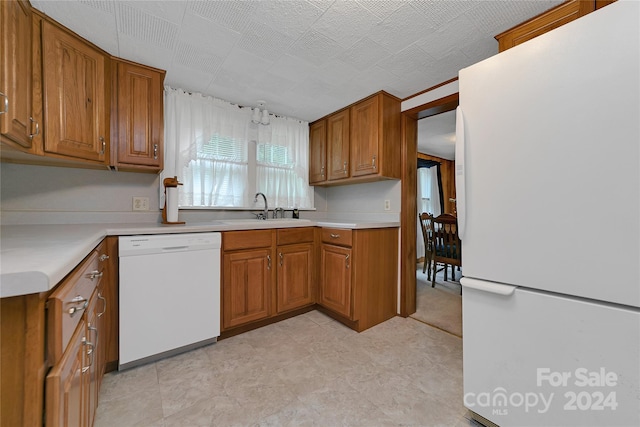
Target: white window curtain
(223, 159)
(195, 128)
(428, 200)
(282, 163)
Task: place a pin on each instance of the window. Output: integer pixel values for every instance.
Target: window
(223, 159)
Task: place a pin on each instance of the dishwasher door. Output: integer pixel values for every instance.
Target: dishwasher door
(169, 295)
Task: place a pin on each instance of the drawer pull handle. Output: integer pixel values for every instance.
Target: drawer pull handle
(90, 353)
(269, 262)
(335, 236)
(281, 259)
(31, 135)
(85, 342)
(103, 257)
(82, 304)
(95, 274)
(346, 261)
(94, 329)
(155, 151)
(104, 307)
(6, 103)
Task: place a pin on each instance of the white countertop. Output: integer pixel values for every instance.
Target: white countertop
(34, 258)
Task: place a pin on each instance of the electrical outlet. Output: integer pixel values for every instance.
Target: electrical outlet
(387, 205)
(140, 203)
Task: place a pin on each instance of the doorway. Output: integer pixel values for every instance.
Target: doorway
(438, 296)
(408, 216)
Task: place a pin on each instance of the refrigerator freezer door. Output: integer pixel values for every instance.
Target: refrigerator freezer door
(537, 359)
(552, 160)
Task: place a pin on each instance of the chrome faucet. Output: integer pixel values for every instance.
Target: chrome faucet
(266, 207)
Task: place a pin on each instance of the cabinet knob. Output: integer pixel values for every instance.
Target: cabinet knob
(103, 257)
(103, 145)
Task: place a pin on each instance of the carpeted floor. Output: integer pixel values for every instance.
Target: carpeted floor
(440, 306)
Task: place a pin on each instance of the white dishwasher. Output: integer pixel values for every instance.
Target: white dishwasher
(169, 295)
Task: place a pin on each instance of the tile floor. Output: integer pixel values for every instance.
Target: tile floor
(305, 371)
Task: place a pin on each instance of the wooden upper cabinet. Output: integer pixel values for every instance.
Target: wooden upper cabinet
(362, 143)
(364, 137)
(137, 116)
(338, 145)
(76, 97)
(375, 136)
(547, 21)
(16, 125)
(318, 152)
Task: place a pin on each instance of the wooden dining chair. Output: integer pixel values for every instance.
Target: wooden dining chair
(447, 249)
(426, 223)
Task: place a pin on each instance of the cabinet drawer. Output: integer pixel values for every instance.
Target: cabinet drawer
(337, 236)
(67, 304)
(287, 236)
(233, 240)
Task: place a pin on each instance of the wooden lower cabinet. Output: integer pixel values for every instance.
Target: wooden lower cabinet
(68, 384)
(335, 277)
(359, 275)
(246, 287)
(294, 276)
(76, 329)
(266, 273)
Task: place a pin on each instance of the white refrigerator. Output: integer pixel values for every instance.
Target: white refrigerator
(548, 202)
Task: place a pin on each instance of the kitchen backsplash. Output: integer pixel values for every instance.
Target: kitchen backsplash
(53, 195)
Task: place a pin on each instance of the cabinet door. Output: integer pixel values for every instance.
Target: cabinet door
(67, 384)
(139, 115)
(75, 93)
(246, 286)
(335, 279)
(338, 145)
(365, 134)
(294, 276)
(318, 152)
(15, 72)
(108, 262)
(94, 345)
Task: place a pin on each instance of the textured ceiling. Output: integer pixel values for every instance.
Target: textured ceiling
(305, 59)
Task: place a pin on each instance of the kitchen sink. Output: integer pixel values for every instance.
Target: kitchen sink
(271, 222)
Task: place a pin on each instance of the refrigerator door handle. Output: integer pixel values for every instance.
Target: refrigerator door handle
(459, 165)
(492, 287)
